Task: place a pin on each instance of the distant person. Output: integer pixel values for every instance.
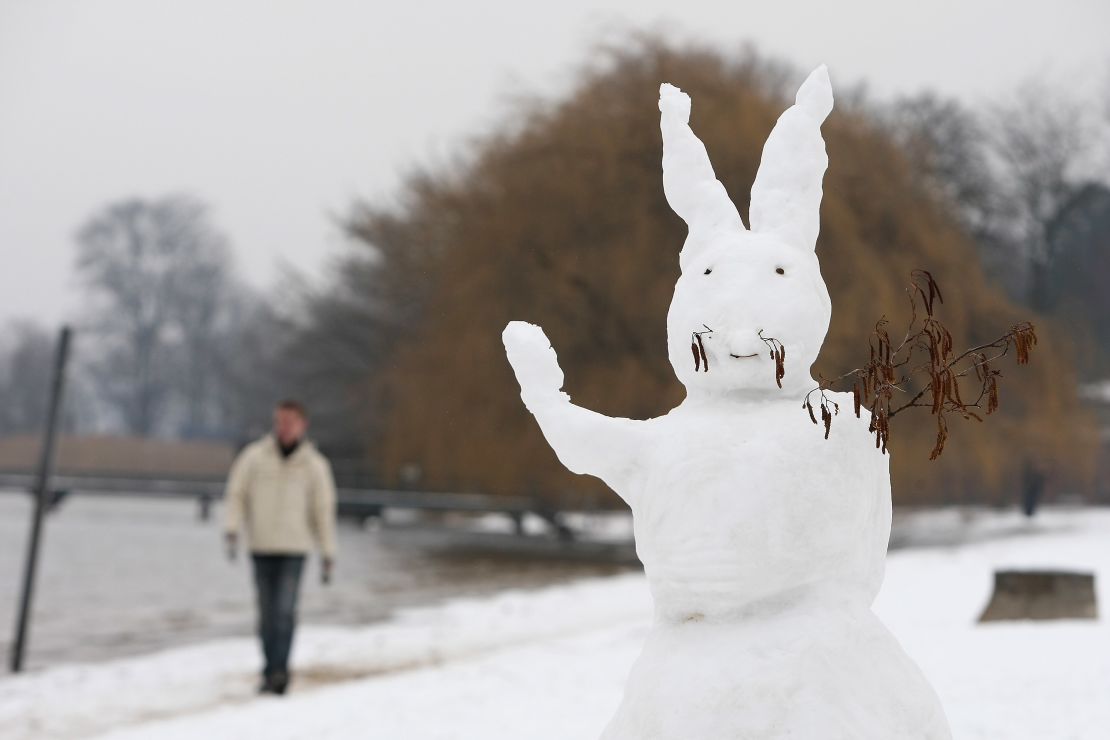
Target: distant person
(281, 490)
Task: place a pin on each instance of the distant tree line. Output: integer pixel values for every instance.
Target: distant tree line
(559, 217)
(170, 342)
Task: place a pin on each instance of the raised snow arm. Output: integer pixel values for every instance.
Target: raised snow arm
(585, 441)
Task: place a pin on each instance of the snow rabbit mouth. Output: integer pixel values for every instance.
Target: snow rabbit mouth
(701, 358)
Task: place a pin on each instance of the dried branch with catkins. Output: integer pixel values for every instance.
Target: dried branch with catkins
(701, 360)
(895, 372)
(778, 354)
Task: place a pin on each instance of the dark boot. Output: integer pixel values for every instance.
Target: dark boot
(279, 682)
(267, 685)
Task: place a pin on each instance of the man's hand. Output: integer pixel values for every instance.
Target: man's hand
(326, 566)
(231, 541)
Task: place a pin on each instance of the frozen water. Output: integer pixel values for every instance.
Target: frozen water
(121, 576)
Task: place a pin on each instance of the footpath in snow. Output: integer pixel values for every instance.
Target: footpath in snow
(550, 664)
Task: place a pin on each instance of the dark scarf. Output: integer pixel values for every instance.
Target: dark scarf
(287, 450)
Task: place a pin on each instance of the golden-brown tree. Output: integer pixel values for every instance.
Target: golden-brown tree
(560, 219)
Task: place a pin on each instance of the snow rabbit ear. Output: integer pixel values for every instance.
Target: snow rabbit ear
(786, 196)
(691, 187)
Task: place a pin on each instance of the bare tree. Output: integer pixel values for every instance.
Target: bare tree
(1039, 140)
(1010, 173)
(947, 148)
(157, 271)
(25, 364)
(340, 336)
(253, 370)
(950, 156)
(202, 300)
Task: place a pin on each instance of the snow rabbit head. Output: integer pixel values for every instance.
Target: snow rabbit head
(741, 286)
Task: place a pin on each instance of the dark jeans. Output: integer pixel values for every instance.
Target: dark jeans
(277, 580)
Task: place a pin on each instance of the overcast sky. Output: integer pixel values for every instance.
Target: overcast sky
(279, 114)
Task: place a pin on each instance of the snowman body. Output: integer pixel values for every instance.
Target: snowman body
(745, 503)
(763, 545)
(763, 542)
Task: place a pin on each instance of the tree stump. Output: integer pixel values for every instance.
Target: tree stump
(1041, 594)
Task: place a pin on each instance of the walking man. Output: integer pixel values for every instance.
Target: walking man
(281, 491)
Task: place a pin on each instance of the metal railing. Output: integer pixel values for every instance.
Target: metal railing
(361, 503)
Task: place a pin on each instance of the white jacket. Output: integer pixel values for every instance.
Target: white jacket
(287, 505)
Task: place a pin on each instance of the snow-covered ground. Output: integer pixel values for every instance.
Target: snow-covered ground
(551, 663)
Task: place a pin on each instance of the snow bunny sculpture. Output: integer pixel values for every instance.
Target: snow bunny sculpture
(763, 543)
